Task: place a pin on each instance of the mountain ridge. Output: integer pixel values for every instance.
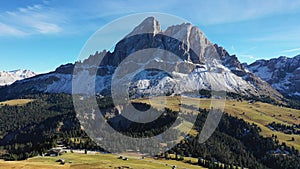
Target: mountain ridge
(283, 73)
(208, 64)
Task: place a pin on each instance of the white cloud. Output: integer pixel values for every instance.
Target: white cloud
(200, 12)
(29, 20)
(290, 33)
(220, 11)
(51, 16)
(247, 56)
(232, 48)
(46, 28)
(291, 50)
(30, 8)
(6, 30)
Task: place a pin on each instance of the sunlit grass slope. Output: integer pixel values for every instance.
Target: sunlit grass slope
(259, 113)
(15, 102)
(98, 161)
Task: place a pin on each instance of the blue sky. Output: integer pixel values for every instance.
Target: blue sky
(41, 35)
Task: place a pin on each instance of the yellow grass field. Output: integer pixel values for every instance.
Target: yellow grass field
(98, 161)
(16, 102)
(259, 113)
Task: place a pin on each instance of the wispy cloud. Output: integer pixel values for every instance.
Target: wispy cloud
(287, 35)
(30, 8)
(202, 12)
(45, 28)
(6, 30)
(48, 17)
(220, 11)
(291, 50)
(247, 56)
(30, 20)
(233, 48)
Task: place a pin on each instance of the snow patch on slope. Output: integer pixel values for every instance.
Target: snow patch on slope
(7, 78)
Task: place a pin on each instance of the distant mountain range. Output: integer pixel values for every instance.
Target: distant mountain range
(282, 73)
(9, 77)
(197, 55)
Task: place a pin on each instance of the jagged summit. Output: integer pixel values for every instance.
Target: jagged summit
(149, 25)
(191, 40)
(195, 40)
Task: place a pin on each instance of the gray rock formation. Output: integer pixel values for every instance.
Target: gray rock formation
(282, 73)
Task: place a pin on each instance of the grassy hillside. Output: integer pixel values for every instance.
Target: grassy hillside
(228, 144)
(99, 161)
(259, 113)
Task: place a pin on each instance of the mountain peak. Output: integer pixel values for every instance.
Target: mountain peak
(148, 25)
(21, 71)
(9, 77)
(282, 73)
(186, 41)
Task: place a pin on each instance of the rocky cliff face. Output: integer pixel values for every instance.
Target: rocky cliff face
(200, 64)
(185, 40)
(282, 73)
